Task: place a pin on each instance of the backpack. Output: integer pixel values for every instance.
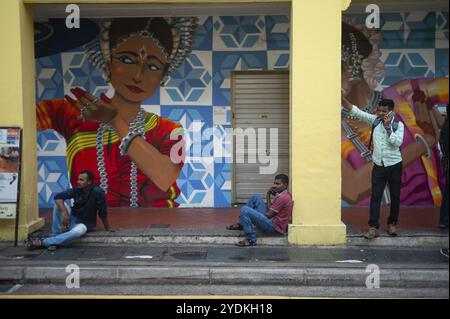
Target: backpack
(375, 124)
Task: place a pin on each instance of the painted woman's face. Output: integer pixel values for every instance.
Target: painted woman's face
(137, 67)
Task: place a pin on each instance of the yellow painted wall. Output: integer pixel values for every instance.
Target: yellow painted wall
(17, 101)
(315, 122)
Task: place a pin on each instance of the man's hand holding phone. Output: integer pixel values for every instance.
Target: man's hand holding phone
(388, 119)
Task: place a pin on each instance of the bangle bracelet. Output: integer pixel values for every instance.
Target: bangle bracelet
(422, 140)
(126, 141)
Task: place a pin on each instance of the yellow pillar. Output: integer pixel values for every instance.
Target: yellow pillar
(17, 107)
(315, 122)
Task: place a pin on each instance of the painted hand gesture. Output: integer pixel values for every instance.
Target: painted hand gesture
(92, 108)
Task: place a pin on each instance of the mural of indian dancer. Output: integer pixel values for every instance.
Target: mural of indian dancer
(406, 60)
(134, 55)
(415, 105)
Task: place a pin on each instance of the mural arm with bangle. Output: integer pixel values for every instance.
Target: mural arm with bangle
(156, 166)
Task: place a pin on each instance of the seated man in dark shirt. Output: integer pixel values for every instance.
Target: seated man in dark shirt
(72, 223)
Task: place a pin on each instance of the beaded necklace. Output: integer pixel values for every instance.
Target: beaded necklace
(138, 123)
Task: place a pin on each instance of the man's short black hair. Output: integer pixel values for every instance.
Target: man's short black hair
(387, 102)
(284, 178)
(89, 174)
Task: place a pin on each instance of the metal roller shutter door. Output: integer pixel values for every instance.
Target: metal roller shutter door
(260, 100)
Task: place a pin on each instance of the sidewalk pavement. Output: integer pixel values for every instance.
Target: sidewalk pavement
(151, 267)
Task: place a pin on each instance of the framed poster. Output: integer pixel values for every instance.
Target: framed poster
(10, 151)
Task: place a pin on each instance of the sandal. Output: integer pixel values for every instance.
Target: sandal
(246, 243)
(33, 243)
(236, 226)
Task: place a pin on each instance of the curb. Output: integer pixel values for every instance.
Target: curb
(217, 275)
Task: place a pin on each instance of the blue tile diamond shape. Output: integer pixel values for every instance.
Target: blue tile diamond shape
(408, 30)
(400, 65)
(49, 80)
(52, 179)
(243, 33)
(191, 83)
(50, 143)
(442, 63)
(222, 186)
(204, 34)
(196, 121)
(79, 72)
(196, 183)
(224, 63)
(277, 30)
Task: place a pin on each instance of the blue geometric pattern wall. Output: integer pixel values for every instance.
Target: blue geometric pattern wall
(415, 44)
(198, 94)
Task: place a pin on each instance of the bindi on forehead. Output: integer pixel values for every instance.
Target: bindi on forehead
(143, 53)
(142, 46)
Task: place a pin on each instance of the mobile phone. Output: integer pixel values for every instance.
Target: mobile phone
(390, 115)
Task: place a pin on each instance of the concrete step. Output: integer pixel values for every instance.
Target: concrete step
(227, 265)
(407, 238)
(216, 274)
(217, 292)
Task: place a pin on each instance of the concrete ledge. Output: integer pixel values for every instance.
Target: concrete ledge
(164, 275)
(257, 276)
(401, 241)
(307, 234)
(42, 291)
(59, 274)
(350, 277)
(244, 275)
(424, 278)
(11, 273)
(179, 239)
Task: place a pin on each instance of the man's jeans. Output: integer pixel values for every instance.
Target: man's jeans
(254, 213)
(380, 176)
(76, 229)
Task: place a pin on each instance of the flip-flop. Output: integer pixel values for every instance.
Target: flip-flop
(246, 243)
(33, 243)
(235, 227)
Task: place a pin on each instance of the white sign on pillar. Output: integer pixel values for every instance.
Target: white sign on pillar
(9, 171)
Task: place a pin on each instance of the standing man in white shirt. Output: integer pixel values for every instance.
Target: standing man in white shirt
(387, 137)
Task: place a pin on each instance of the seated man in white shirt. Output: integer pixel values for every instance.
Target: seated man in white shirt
(387, 137)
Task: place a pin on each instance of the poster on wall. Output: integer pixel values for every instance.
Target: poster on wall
(10, 139)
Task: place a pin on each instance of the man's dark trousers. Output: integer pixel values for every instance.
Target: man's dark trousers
(380, 176)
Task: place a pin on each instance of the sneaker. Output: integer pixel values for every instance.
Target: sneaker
(392, 231)
(372, 233)
(444, 252)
